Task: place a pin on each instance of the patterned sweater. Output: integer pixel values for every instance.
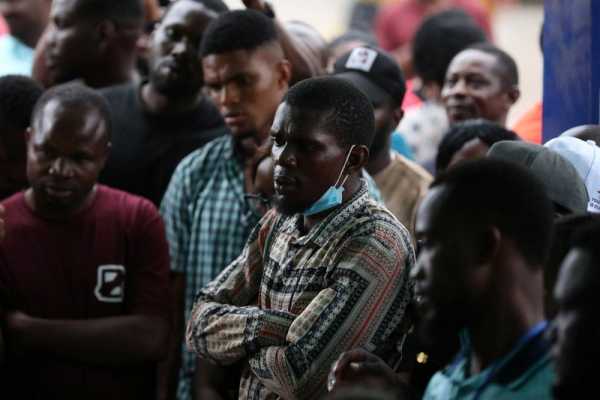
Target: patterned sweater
(290, 304)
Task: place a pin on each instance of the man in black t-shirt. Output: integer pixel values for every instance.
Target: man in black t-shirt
(157, 123)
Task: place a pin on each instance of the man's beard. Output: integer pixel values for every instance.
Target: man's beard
(180, 88)
(285, 208)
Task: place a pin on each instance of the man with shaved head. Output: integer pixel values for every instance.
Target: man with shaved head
(158, 122)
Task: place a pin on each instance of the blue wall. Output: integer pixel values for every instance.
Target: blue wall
(571, 45)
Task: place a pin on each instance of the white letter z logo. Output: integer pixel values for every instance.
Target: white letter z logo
(110, 284)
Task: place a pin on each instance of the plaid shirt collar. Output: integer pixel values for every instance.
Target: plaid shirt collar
(324, 230)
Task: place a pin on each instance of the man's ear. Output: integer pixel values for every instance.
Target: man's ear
(106, 153)
(513, 94)
(358, 159)
(398, 114)
(106, 31)
(489, 244)
(28, 134)
(284, 68)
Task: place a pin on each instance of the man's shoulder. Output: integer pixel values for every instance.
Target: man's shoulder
(15, 207)
(16, 56)
(5, 42)
(115, 92)
(122, 205)
(410, 170)
(371, 223)
(123, 105)
(206, 159)
(374, 212)
(534, 382)
(441, 386)
(13, 198)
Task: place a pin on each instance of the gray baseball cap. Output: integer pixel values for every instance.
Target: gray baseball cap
(561, 180)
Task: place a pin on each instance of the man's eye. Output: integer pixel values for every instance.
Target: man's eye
(171, 33)
(242, 81)
(422, 244)
(477, 83)
(41, 152)
(81, 158)
(311, 147)
(213, 89)
(450, 81)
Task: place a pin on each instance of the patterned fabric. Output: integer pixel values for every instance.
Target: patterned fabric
(207, 222)
(291, 303)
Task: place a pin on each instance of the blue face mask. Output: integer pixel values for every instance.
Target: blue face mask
(332, 196)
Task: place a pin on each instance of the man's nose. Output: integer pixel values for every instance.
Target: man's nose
(61, 167)
(50, 36)
(284, 156)
(183, 48)
(459, 88)
(416, 273)
(229, 94)
(552, 332)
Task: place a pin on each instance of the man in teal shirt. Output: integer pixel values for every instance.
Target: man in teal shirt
(26, 20)
(484, 230)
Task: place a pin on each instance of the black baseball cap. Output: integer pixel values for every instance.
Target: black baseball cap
(374, 72)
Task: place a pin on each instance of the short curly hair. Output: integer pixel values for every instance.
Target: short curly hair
(459, 134)
(499, 193)
(238, 30)
(346, 111)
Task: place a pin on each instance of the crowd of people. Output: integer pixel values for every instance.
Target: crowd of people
(205, 203)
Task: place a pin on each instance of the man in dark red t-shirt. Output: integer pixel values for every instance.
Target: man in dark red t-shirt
(83, 268)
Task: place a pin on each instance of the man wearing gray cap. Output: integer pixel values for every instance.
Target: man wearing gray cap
(402, 182)
(561, 180)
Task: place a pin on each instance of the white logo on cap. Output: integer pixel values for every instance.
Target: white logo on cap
(361, 58)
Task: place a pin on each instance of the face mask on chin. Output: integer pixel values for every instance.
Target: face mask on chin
(332, 196)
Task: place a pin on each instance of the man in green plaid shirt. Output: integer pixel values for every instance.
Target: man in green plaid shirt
(206, 216)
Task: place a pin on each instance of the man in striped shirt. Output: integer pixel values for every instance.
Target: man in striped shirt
(326, 271)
